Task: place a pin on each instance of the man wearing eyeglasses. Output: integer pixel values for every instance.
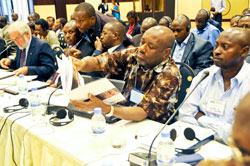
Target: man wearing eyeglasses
(33, 57)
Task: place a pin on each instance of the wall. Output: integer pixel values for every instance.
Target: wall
(45, 10)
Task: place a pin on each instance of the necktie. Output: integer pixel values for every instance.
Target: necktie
(22, 59)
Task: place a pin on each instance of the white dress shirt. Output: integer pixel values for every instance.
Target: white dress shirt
(212, 88)
(219, 5)
(179, 49)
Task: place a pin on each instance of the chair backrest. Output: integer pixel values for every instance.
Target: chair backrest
(187, 74)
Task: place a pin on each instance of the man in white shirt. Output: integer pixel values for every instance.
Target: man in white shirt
(219, 6)
(212, 103)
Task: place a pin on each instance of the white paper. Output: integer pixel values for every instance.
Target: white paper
(101, 88)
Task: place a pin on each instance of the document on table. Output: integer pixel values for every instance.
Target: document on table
(12, 81)
(6, 74)
(101, 88)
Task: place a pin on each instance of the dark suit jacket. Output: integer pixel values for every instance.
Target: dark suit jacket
(137, 40)
(197, 54)
(2, 48)
(40, 59)
(137, 29)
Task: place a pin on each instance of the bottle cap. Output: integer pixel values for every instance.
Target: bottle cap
(98, 110)
(21, 76)
(33, 89)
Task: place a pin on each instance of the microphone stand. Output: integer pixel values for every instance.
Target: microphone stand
(52, 108)
(152, 159)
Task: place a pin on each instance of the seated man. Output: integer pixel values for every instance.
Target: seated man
(213, 101)
(240, 137)
(189, 48)
(33, 57)
(146, 24)
(148, 69)
(204, 29)
(111, 39)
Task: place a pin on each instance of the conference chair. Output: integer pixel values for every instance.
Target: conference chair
(187, 74)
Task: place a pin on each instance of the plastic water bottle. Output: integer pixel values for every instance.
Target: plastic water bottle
(35, 106)
(22, 85)
(98, 122)
(165, 150)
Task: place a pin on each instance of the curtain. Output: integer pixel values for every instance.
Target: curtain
(6, 9)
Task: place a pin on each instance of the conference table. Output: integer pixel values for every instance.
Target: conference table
(27, 143)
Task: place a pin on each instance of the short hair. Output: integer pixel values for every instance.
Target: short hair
(37, 15)
(236, 16)
(52, 18)
(3, 19)
(188, 20)
(87, 7)
(246, 11)
(63, 21)
(19, 26)
(32, 25)
(44, 24)
(132, 14)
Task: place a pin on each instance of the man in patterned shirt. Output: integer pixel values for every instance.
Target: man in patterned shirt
(148, 70)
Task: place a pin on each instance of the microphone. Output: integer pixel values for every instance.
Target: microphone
(148, 159)
(5, 49)
(51, 109)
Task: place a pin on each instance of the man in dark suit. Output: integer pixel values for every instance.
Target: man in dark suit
(3, 52)
(90, 24)
(33, 57)
(190, 48)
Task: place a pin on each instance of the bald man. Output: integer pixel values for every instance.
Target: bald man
(204, 29)
(151, 77)
(146, 24)
(166, 21)
(212, 103)
(244, 22)
(111, 39)
(189, 48)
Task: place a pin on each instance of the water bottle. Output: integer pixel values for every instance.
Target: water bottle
(165, 150)
(35, 106)
(98, 122)
(22, 85)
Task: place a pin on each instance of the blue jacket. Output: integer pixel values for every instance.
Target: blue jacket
(40, 59)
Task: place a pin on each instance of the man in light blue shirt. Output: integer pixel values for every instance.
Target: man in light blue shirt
(212, 103)
(204, 29)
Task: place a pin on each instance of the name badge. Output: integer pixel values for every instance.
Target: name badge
(136, 96)
(215, 106)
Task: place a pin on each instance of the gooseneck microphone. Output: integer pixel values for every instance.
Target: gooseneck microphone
(5, 49)
(152, 160)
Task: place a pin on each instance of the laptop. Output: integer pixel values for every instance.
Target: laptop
(119, 84)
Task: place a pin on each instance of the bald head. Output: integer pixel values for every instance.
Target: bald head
(237, 36)
(148, 23)
(162, 34)
(116, 27)
(166, 21)
(182, 20)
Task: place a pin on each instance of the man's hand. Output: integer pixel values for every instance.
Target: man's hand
(90, 105)
(78, 63)
(21, 70)
(98, 44)
(5, 63)
(51, 84)
(73, 52)
(198, 115)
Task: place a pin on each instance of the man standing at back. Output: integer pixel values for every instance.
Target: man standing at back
(33, 57)
(212, 103)
(90, 24)
(189, 48)
(204, 29)
(219, 6)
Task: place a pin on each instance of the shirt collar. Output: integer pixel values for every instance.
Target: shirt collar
(111, 50)
(184, 42)
(239, 77)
